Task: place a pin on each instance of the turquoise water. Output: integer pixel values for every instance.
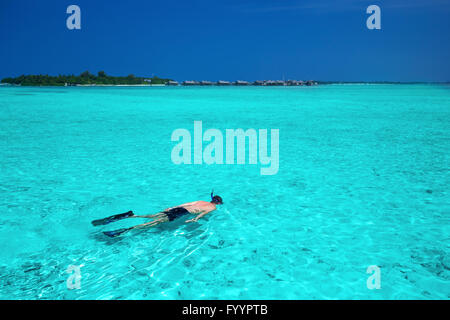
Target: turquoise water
(363, 180)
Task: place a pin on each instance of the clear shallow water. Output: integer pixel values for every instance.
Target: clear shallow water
(363, 180)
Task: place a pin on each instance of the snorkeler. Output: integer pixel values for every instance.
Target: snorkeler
(200, 208)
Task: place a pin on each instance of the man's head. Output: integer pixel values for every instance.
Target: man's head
(216, 200)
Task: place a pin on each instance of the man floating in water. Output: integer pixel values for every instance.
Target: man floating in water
(200, 208)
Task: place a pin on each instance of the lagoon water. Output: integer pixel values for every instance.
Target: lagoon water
(363, 180)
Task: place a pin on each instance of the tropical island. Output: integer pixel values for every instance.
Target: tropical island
(85, 78)
(102, 79)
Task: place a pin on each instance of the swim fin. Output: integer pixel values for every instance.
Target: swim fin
(113, 218)
(117, 232)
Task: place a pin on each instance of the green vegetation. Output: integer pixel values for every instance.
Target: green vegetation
(85, 78)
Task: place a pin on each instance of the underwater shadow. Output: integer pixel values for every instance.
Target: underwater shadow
(190, 230)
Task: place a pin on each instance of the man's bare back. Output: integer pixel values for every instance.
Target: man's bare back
(199, 208)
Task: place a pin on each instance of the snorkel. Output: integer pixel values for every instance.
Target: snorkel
(215, 198)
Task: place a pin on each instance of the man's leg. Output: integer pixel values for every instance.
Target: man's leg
(156, 215)
(153, 223)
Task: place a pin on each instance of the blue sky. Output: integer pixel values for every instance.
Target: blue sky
(233, 39)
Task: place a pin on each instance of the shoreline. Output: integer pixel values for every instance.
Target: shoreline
(4, 85)
(114, 85)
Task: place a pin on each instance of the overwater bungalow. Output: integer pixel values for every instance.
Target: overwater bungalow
(292, 83)
(270, 83)
(241, 83)
(190, 83)
(259, 83)
(223, 83)
(172, 83)
(206, 83)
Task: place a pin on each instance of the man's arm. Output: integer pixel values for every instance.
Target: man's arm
(200, 216)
